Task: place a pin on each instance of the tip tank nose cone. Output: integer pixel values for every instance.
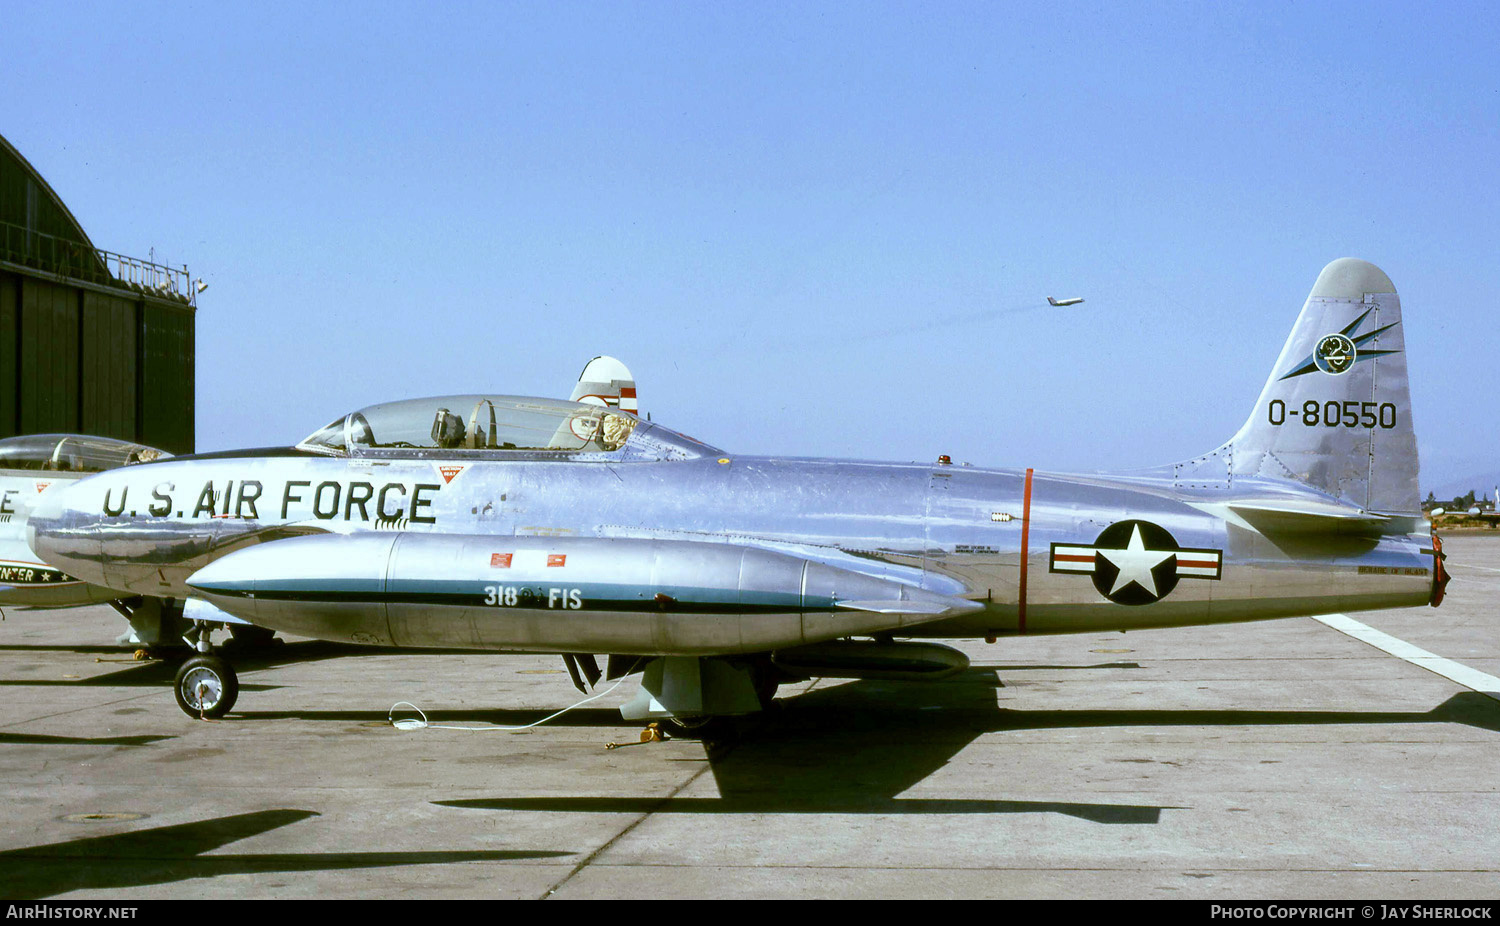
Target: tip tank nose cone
(220, 577)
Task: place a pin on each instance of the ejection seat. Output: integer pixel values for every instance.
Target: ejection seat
(447, 430)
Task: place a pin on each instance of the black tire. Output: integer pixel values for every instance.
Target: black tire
(698, 728)
(206, 686)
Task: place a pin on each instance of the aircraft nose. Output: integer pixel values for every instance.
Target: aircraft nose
(57, 533)
(45, 513)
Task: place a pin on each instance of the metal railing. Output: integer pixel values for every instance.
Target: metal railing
(75, 260)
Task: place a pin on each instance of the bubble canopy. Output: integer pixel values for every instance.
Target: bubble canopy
(502, 426)
(73, 453)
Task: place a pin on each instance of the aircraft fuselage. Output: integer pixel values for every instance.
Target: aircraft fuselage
(1038, 552)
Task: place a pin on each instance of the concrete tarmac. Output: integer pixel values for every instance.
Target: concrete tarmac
(1278, 760)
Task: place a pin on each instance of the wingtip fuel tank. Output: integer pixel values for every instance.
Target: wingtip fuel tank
(544, 594)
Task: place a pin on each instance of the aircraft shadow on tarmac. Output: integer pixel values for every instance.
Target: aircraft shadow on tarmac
(854, 748)
(849, 749)
(166, 854)
(39, 739)
(99, 650)
(152, 674)
(160, 672)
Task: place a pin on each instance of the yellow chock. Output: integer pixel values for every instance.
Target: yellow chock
(652, 734)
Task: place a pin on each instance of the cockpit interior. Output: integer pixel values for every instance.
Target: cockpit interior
(505, 426)
(73, 453)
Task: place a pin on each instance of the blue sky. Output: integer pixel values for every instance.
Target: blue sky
(808, 228)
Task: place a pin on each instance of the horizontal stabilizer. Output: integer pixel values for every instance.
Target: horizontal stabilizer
(1306, 516)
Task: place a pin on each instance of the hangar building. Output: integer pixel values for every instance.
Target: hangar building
(91, 341)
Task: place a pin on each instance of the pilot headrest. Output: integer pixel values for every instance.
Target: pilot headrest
(447, 429)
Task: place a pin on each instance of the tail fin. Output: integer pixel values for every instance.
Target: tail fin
(1335, 414)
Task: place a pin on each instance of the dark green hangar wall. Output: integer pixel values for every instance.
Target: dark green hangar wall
(91, 342)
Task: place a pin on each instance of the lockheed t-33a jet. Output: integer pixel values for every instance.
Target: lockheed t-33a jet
(544, 526)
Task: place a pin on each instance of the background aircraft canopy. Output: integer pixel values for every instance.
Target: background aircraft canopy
(508, 423)
(73, 453)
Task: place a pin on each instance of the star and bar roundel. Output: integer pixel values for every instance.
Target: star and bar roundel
(1136, 562)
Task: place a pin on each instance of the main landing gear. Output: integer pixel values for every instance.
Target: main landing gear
(688, 697)
(206, 686)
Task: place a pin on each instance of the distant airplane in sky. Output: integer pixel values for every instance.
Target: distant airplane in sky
(1062, 302)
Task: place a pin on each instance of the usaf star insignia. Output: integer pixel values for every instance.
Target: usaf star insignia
(1136, 562)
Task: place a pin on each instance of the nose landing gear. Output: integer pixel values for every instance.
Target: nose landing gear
(206, 686)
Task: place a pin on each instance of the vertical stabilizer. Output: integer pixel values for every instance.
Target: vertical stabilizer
(1335, 413)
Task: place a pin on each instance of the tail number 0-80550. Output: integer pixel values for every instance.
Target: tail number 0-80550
(1334, 414)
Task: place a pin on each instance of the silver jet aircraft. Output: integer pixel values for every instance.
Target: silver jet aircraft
(29, 466)
(535, 525)
(35, 463)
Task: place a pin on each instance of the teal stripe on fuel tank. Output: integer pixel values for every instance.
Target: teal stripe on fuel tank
(245, 588)
(473, 593)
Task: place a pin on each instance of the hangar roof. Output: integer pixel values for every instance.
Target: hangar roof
(52, 218)
(38, 233)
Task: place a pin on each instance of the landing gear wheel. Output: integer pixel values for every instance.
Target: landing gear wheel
(206, 686)
(708, 727)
